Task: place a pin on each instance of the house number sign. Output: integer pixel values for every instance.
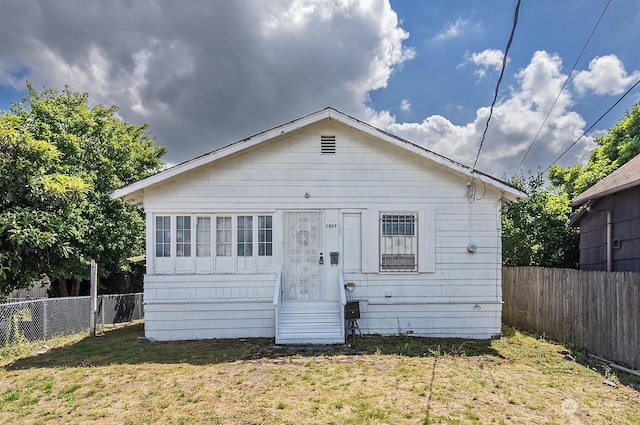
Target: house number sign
(331, 226)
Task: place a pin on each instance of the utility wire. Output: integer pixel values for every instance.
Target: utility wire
(562, 89)
(504, 65)
(591, 127)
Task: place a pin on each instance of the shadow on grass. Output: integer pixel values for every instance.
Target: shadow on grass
(121, 346)
(571, 352)
(608, 373)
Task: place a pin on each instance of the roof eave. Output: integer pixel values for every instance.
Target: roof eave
(581, 200)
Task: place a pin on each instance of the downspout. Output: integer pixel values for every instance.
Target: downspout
(609, 241)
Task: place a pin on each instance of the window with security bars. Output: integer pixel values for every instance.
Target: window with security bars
(398, 242)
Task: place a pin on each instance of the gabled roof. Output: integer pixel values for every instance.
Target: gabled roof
(623, 178)
(134, 191)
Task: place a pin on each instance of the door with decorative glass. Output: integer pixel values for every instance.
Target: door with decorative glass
(303, 277)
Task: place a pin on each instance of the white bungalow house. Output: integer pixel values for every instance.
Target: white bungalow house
(260, 238)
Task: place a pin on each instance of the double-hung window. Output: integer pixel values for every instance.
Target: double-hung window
(398, 242)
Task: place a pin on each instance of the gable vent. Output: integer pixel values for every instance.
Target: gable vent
(327, 144)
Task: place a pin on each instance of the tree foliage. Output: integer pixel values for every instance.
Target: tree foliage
(59, 161)
(535, 231)
(620, 145)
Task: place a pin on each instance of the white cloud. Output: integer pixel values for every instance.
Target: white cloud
(513, 126)
(485, 60)
(453, 29)
(606, 76)
(203, 76)
(200, 82)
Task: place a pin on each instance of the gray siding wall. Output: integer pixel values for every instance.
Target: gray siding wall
(625, 217)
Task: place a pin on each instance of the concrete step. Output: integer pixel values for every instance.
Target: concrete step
(310, 339)
(310, 323)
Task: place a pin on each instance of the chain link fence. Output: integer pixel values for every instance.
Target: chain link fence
(43, 319)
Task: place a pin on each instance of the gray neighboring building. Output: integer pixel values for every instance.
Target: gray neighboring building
(609, 221)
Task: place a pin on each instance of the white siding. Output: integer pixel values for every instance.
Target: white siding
(169, 322)
(352, 242)
(205, 307)
(432, 320)
(455, 293)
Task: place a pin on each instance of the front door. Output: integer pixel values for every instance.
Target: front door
(303, 277)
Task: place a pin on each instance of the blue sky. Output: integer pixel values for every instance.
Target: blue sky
(203, 74)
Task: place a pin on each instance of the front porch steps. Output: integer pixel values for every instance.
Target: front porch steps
(310, 323)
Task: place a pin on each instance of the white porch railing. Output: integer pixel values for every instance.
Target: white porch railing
(343, 301)
(277, 301)
(277, 297)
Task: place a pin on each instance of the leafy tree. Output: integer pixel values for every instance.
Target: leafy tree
(620, 145)
(59, 161)
(40, 214)
(535, 231)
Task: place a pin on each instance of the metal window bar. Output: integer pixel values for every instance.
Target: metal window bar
(398, 242)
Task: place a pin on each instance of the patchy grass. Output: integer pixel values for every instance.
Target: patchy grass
(376, 380)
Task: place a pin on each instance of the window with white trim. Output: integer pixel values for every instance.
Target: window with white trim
(203, 236)
(163, 236)
(265, 235)
(398, 242)
(183, 236)
(245, 236)
(212, 243)
(223, 237)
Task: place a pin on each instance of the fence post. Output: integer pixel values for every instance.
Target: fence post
(102, 309)
(94, 298)
(139, 300)
(45, 330)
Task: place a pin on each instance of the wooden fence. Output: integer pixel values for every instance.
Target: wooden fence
(596, 311)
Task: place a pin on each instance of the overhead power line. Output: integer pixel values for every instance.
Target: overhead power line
(592, 125)
(562, 89)
(504, 65)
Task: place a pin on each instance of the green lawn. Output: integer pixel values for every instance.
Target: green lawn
(115, 379)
